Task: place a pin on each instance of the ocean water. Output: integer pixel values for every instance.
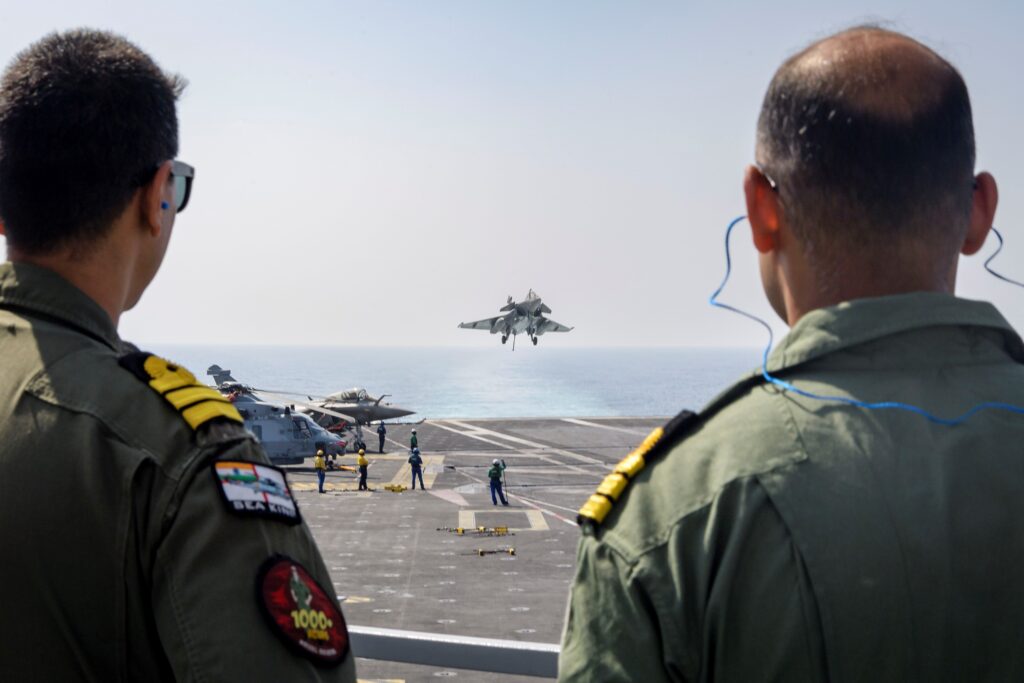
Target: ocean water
(488, 382)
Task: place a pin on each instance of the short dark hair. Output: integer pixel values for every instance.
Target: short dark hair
(872, 149)
(85, 118)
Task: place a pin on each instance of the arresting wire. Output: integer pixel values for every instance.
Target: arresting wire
(878, 405)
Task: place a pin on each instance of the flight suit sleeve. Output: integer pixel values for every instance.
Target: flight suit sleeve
(223, 575)
(611, 630)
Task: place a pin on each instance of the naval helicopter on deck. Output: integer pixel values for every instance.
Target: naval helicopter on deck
(287, 435)
(342, 414)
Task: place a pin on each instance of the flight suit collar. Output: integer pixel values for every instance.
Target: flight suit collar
(32, 289)
(851, 323)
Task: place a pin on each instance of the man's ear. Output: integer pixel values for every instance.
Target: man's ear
(762, 209)
(157, 194)
(983, 211)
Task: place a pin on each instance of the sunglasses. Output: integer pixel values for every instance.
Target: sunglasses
(181, 175)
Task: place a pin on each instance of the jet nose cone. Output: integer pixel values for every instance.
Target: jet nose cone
(391, 412)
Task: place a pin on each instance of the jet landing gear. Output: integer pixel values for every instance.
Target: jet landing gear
(534, 341)
(504, 338)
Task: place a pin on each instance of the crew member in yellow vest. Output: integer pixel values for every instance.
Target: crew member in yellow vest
(363, 465)
(321, 469)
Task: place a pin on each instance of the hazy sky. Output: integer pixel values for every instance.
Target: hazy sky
(373, 173)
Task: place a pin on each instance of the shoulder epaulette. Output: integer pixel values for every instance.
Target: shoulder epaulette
(610, 491)
(197, 402)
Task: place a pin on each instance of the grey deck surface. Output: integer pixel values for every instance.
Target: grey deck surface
(395, 569)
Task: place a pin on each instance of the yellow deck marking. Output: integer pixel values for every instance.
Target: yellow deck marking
(329, 486)
(357, 599)
(404, 474)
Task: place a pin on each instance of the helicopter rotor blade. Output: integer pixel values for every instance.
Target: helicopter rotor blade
(316, 408)
(290, 393)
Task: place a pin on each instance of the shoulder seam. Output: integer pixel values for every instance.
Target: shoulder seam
(113, 429)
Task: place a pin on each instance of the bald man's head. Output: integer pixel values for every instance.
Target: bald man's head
(868, 135)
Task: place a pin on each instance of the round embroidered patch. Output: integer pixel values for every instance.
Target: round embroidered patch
(301, 612)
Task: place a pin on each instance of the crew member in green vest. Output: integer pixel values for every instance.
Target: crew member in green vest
(495, 473)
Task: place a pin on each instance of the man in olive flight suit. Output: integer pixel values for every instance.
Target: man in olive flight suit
(159, 544)
(781, 537)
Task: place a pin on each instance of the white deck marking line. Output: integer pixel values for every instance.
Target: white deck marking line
(467, 518)
(536, 507)
(544, 502)
(566, 469)
(520, 498)
(532, 444)
(474, 436)
(450, 496)
(585, 423)
(541, 456)
(388, 439)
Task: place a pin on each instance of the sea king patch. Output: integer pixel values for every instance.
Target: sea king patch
(258, 490)
(301, 612)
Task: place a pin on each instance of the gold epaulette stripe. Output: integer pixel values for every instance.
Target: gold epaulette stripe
(613, 485)
(631, 465)
(196, 402)
(202, 413)
(595, 509)
(183, 398)
(165, 377)
(601, 502)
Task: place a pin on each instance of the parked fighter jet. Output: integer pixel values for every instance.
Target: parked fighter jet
(523, 316)
(363, 408)
(358, 404)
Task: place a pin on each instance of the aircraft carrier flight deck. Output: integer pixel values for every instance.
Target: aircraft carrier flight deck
(398, 561)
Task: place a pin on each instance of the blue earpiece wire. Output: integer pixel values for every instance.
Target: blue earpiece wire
(881, 405)
(992, 257)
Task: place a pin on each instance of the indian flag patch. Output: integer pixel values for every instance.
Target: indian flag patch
(257, 490)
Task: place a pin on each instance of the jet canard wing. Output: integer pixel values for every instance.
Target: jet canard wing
(490, 324)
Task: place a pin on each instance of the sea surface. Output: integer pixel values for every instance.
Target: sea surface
(488, 382)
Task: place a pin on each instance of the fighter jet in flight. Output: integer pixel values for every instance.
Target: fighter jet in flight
(525, 316)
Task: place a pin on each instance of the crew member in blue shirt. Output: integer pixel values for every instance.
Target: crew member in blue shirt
(495, 474)
(417, 468)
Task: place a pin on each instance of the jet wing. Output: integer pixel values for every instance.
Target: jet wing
(551, 326)
(486, 324)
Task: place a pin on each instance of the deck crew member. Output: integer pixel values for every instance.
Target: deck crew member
(416, 463)
(792, 536)
(364, 465)
(136, 556)
(382, 433)
(495, 473)
(413, 441)
(320, 465)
